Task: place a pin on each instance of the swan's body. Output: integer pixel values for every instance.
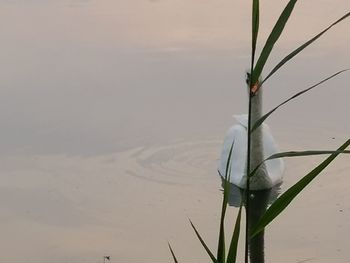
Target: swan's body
(262, 146)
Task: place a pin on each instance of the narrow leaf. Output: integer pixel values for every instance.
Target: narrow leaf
(221, 243)
(232, 253)
(295, 154)
(228, 170)
(286, 198)
(299, 49)
(172, 253)
(303, 153)
(255, 23)
(203, 244)
(255, 31)
(272, 39)
(264, 117)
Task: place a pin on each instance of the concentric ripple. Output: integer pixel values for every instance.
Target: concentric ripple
(175, 162)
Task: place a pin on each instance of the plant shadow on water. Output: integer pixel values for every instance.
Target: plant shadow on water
(259, 201)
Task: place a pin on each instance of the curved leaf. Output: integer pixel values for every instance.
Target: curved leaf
(299, 49)
(212, 257)
(264, 117)
(255, 31)
(172, 253)
(232, 253)
(221, 243)
(303, 153)
(272, 39)
(287, 197)
(295, 154)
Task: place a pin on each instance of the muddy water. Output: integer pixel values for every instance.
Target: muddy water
(112, 116)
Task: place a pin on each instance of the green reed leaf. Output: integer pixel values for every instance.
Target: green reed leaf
(265, 116)
(299, 49)
(296, 154)
(272, 39)
(221, 244)
(302, 153)
(172, 253)
(255, 24)
(228, 173)
(255, 31)
(287, 197)
(212, 257)
(232, 253)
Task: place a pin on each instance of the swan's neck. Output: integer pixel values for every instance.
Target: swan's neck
(261, 179)
(256, 138)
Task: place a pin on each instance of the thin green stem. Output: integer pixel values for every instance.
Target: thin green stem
(255, 29)
(247, 191)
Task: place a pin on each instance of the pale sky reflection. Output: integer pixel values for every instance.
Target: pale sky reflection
(82, 82)
(62, 64)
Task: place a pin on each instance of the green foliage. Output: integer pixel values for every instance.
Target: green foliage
(172, 253)
(286, 198)
(301, 48)
(221, 243)
(232, 253)
(295, 154)
(264, 117)
(281, 203)
(272, 39)
(255, 30)
(235, 237)
(212, 257)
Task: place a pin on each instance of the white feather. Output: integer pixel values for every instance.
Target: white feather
(237, 134)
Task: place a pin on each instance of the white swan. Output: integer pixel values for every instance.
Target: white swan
(262, 146)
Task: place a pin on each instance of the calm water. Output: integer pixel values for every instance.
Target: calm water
(112, 114)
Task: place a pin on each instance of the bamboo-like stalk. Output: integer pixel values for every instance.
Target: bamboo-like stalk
(256, 216)
(255, 30)
(247, 190)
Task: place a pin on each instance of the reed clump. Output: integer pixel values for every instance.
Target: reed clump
(255, 82)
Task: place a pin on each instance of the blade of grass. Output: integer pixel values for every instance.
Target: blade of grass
(232, 253)
(299, 49)
(172, 253)
(286, 198)
(255, 31)
(247, 190)
(295, 154)
(221, 244)
(255, 24)
(272, 39)
(265, 116)
(212, 257)
(303, 153)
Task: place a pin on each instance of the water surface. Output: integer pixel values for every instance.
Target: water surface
(112, 114)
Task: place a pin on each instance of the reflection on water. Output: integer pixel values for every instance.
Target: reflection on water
(258, 205)
(259, 201)
(95, 97)
(235, 196)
